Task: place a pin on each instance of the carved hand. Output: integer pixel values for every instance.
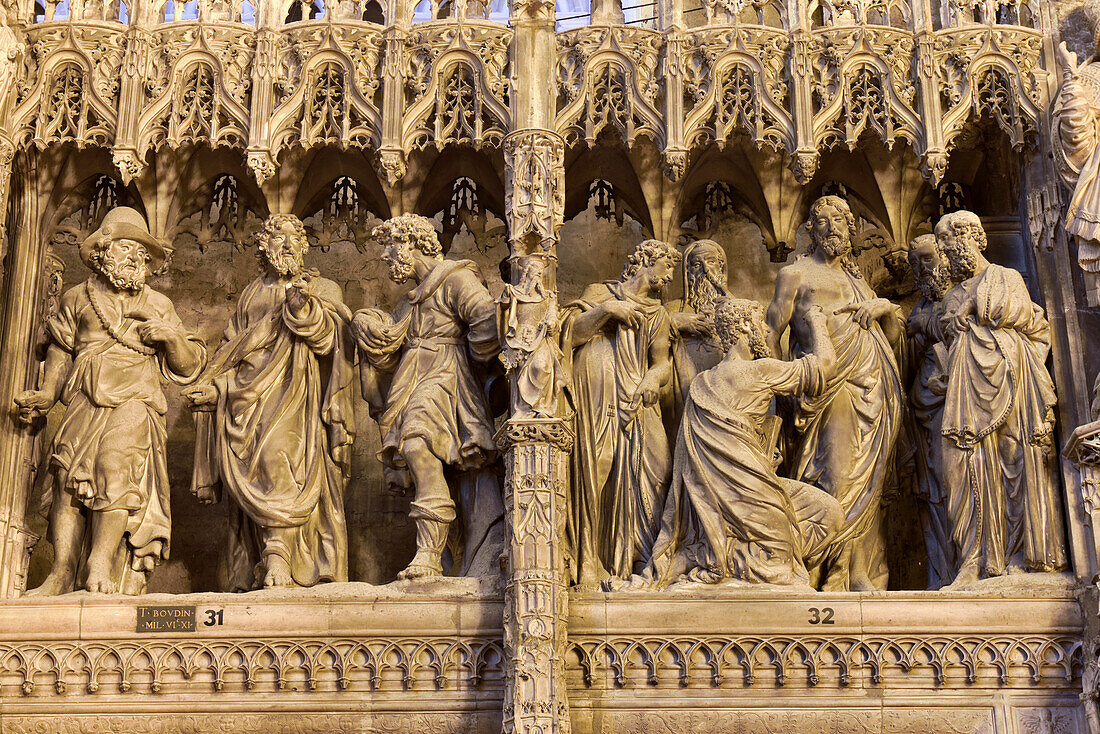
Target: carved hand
(201, 394)
(299, 293)
(33, 404)
(867, 313)
(206, 495)
(957, 322)
(648, 392)
(690, 323)
(624, 313)
(1067, 59)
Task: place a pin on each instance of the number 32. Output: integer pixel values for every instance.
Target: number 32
(823, 615)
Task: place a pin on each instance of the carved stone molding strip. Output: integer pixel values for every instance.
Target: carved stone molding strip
(1023, 660)
(256, 723)
(160, 666)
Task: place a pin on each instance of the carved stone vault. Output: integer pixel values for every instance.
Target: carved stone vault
(505, 124)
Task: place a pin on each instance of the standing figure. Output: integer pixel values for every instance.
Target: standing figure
(728, 515)
(436, 420)
(1076, 143)
(695, 347)
(108, 462)
(275, 421)
(848, 430)
(998, 415)
(927, 362)
(616, 345)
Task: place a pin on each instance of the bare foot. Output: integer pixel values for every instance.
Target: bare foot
(278, 573)
(56, 583)
(98, 584)
(421, 567)
(967, 575)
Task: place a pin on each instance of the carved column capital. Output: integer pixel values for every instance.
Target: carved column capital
(552, 431)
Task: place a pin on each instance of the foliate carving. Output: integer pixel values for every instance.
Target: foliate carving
(128, 163)
(223, 221)
(392, 165)
(465, 722)
(705, 662)
(760, 721)
(262, 165)
(257, 665)
(607, 81)
(554, 432)
(804, 165)
(919, 721)
(934, 166)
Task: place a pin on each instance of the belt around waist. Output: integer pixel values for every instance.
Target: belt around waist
(417, 343)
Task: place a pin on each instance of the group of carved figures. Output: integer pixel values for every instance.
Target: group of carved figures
(683, 413)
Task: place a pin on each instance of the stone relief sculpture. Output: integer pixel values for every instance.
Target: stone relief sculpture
(847, 431)
(529, 342)
(1075, 140)
(436, 421)
(617, 349)
(728, 516)
(274, 418)
(927, 367)
(998, 414)
(111, 342)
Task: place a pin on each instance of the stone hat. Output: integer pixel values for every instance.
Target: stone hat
(126, 223)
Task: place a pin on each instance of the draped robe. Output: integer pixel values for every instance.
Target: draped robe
(622, 463)
(109, 452)
(997, 429)
(728, 515)
(849, 430)
(1076, 145)
(279, 437)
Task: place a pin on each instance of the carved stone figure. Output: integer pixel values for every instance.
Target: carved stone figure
(728, 515)
(529, 340)
(695, 347)
(436, 421)
(616, 342)
(847, 431)
(108, 462)
(1075, 140)
(275, 421)
(927, 366)
(998, 414)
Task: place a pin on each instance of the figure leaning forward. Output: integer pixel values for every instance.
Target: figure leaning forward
(275, 421)
(108, 463)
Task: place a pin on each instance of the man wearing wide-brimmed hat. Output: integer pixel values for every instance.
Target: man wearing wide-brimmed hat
(107, 462)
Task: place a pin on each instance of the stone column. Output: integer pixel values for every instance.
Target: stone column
(535, 440)
(19, 317)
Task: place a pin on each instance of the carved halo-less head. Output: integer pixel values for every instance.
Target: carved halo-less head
(401, 235)
(283, 244)
(962, 238)
(740, 319)
(648, 254)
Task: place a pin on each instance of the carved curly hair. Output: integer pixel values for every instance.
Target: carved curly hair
(731, 319)
(647, 253)
(966, 223)
(847, 262)
(272, 225)
(411, 229)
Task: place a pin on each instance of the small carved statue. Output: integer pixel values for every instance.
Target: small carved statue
(998, 415)
(108, 462)
(529, 342)
(436, 419)
(274, 412)
(847, 432)
(927, 364)
(728, 515)
(1076, 142)
(616, 345)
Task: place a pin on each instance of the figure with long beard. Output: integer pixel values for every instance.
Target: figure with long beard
(927, 366)
(275, 421)
(847, 432)
(616, 347)
(436, 420)
(998, 415)
(108, 461)
(695, 347)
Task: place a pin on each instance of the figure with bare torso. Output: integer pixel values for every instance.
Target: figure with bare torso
(847, 432)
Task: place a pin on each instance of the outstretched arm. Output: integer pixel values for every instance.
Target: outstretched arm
(33, 403)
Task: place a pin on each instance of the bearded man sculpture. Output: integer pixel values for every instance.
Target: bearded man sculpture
(927, 365)
(616, 346)
(728, 516)
(436, 420)
(275, 420)
(998, 415)
(849, 429)
(695, 346)
(108, 462)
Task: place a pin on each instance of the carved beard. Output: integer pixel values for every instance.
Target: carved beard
(706, 290)
(125, 275)
(286, 262)
(401, 265)
(834, 245)
(964, 263)
(934, 285)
